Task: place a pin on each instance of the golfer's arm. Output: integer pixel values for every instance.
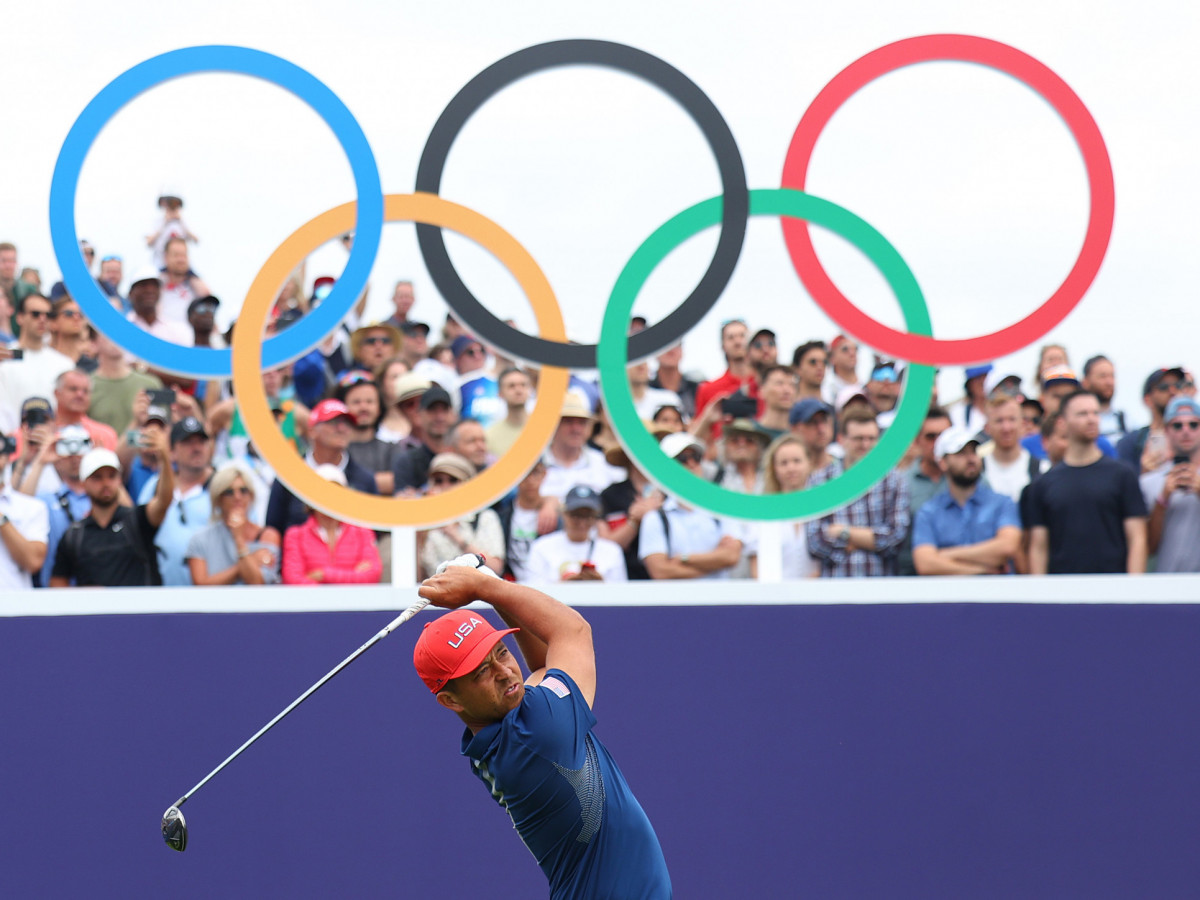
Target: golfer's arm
(552, 634)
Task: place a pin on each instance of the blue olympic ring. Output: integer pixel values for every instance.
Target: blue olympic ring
(205, 362)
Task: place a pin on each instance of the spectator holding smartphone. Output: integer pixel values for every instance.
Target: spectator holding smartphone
(1172, 491)
(69, 502)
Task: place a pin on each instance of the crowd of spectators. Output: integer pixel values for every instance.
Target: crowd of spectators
(118, 475)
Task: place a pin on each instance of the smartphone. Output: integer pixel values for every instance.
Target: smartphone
(740, 406)
(1181, 459)
(161, 397)
(18, 353)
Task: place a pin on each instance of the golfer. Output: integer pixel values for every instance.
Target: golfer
(531, 742)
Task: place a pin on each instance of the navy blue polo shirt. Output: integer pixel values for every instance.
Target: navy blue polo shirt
(567, 799)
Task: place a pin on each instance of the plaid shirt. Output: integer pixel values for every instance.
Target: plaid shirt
(883, 509)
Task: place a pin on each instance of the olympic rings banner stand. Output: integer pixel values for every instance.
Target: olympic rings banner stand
(877, 738)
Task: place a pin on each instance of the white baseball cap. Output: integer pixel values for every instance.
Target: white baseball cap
(96, 459)
(676, 443)
(952, 440)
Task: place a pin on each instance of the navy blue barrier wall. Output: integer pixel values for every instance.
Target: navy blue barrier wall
(795, 751)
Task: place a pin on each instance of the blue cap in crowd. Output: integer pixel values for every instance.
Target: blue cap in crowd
(1181, 404)
(803, 411)
(976, 371)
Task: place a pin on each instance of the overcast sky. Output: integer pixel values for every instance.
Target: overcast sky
(969, 173)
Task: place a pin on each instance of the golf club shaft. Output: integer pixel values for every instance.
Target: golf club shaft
(380, 635)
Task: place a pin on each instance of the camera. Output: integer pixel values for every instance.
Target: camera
(72, 446)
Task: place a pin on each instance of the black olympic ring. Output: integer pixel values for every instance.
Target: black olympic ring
(672, 82)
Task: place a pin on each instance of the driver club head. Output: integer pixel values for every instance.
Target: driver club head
(174, 829)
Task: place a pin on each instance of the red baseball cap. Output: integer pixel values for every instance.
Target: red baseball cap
(453, 645)
(327, 411)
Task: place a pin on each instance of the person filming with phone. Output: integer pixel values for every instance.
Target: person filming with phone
(1172, 491)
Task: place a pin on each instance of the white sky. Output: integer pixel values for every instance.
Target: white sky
(970, 174)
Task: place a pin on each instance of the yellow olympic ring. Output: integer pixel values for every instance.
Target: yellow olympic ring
(365, 509)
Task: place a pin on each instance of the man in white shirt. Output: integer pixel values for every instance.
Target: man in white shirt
(576, 553)
(24, 529)
(30, 368)
(569, 461)
(1007, 465)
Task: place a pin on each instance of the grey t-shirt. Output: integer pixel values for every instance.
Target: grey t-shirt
(1179, 549)
(215, 545)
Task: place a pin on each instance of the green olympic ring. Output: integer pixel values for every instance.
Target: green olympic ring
(612, 357)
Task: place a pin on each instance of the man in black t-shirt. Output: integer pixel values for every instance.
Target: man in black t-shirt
(1087, 513)
(113, 546)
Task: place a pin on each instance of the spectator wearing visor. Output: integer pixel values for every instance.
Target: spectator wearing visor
(966, 528)
(482, 533)
(577, 552)
(1172, 492)
(24, 529)
(69, 502)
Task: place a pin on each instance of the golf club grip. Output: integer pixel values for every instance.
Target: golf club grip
(404, 616)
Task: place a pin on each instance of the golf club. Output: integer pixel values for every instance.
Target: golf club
(174, 827)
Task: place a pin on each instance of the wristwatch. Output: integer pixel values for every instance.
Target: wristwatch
(844, 535)
(684, 558)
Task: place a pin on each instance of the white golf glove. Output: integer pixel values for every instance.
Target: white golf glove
(473, 560)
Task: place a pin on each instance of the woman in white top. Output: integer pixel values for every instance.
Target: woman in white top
(786, 468)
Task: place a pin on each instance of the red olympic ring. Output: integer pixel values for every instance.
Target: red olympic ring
(1052, 89)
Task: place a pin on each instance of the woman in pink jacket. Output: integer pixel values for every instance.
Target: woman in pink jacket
(323, 550)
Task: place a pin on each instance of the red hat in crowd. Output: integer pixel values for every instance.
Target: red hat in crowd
(327, 411)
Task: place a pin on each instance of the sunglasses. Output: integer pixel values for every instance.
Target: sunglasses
(67, 314)
(762, 344)
(235, 491)
(1167, 386)
(689, 456)
(1190, 426)
(355, 376)
(382, 339)
(473, 351)
(38, 313)
(443, 480)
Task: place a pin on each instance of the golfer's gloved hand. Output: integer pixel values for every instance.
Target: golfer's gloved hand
(471, 560)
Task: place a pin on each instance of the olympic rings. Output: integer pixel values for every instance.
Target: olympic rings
(1053, 90)
(204, 362)
(663, 76)
(730, 210)
(641, 446)
(386, 512)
